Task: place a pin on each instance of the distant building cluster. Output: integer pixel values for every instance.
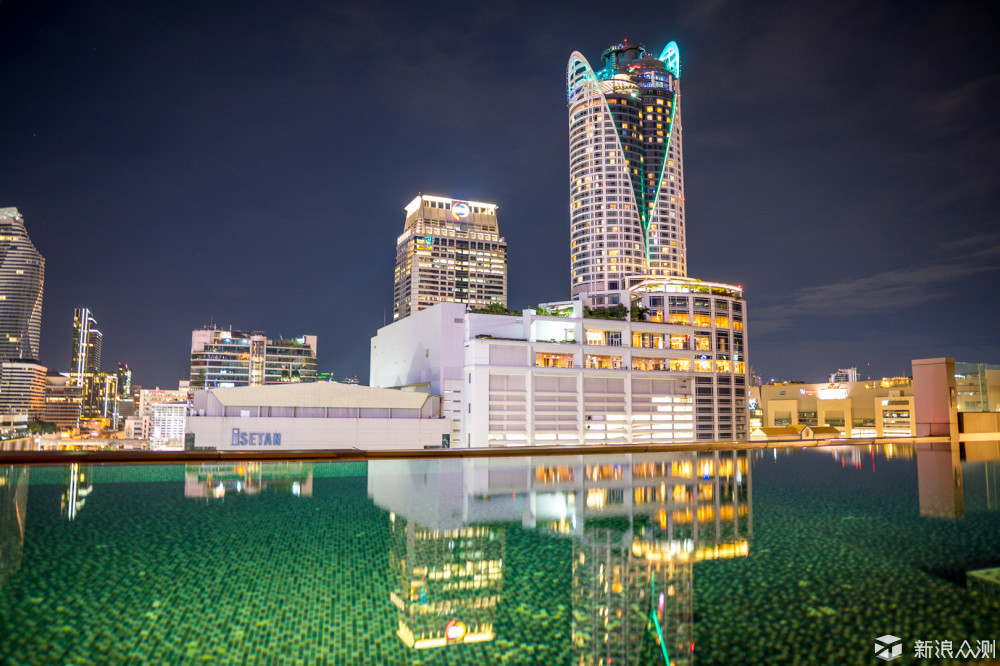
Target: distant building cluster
(84, 397)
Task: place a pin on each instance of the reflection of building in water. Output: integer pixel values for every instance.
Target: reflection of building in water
(447, 561)
(13, 509)
(617, 593)
(78, 488)
(638, 523)
(215, 480)
(952, 474)
(447, 582)
(949, 474)
(647, 523)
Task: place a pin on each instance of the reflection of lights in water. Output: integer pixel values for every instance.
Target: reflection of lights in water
(454, 631)
(239, 486)
(296, 488)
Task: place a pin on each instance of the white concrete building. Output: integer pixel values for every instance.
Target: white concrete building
(554, 376)
(163, 413)
(317, 415)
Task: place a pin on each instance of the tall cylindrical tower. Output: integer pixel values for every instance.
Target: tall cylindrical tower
(626, 170)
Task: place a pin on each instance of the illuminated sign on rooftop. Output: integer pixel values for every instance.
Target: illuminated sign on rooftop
(460, 210)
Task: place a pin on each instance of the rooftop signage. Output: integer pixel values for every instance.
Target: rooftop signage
(255, 438)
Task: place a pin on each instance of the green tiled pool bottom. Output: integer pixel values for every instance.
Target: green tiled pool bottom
(714, 557)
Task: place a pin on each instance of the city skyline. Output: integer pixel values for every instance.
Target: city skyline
(836, 167)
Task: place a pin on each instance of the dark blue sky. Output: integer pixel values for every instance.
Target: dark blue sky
(247, 164)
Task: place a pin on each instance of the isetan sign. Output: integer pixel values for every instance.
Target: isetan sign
(255, 438)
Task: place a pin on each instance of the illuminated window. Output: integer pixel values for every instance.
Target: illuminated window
(546, 360)
(721, 321)
(703, 365)
(702, 319)
(702, 341)
(680, 364)
(723, 365)
(680, 318)
(604, 362)
(650, 364)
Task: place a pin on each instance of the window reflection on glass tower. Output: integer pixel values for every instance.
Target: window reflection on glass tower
(22, 273)
(626, 168)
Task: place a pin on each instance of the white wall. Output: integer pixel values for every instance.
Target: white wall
(300, 434)
(423, 348)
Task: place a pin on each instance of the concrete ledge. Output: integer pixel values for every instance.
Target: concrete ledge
(333, 455)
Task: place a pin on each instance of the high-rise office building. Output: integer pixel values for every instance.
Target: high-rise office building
(85, 353)
(224, 358)
(63, 401)
(22, 274)
(450, 251)
(626, 170)
(22, 388)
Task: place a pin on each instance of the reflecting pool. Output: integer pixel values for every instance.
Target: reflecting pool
(710, 557)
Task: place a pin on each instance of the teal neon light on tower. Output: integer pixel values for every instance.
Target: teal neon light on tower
(626, 169)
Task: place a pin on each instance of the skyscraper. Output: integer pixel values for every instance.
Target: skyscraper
(85, 353)
(450, 251)
(22, 274)
(626, 170)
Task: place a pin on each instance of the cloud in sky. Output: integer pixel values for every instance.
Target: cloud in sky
(888, 291)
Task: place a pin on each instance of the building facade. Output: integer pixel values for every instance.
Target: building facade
(85, 352)
(626, 170)
(317, 415)
(875, 408)
(223, 358)
(63, 401)
(163, 414)
(22, 388)
(450, 251)
(670, 369)
(22, 276)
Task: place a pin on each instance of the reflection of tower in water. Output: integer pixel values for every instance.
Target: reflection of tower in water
(78, 488)
(13, 510)
(621, 602)
(645, 526)
(447, 582)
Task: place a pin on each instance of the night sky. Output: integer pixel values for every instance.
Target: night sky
(247, 163)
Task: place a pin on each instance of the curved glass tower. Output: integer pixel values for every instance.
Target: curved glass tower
(22, 272)
(626, 170)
